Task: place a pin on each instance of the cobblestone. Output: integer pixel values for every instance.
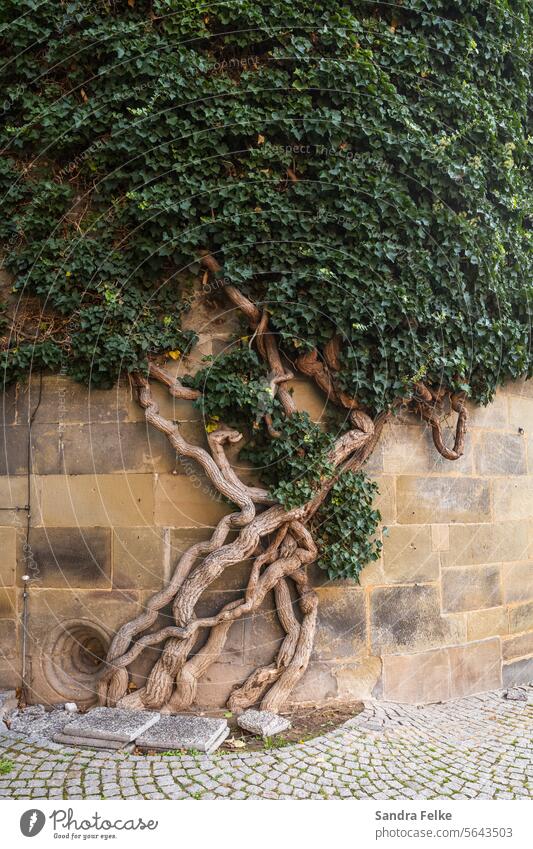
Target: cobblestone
(478, 747)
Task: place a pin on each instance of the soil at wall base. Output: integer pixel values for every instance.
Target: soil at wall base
(307, 722)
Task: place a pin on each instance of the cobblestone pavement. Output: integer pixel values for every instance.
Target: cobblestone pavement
(479, 747)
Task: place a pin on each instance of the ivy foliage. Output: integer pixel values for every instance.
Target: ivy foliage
(360, 168)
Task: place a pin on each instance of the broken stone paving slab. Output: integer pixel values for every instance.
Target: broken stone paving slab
(38, 722)
(263, 723)
(103, 723)
(203, 733)
(92, 743)
(515, 694)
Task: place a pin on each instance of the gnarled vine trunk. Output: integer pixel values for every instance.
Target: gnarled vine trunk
(275, 539)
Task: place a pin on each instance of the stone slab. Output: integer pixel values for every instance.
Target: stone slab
(103, 723)
(38, 722)
(263, 723)
(184, 732)
(90, 742)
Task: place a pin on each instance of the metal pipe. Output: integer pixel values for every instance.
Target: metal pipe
(25, 598)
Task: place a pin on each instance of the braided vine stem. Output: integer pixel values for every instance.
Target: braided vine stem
(275, 540)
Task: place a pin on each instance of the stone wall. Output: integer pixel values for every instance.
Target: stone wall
(447, 611)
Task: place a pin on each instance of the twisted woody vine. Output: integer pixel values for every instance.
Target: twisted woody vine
(352, 179)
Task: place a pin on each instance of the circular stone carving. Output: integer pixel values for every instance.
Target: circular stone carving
(73, 659)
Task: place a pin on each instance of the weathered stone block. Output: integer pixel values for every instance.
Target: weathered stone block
(263, 634)
(8, 603)
(488, 543)
(519, 646)
(8, 639)
(408, 555)
(63, 400)
(187, 501)
(318, 678)
(423, 677)
(411, 451)
(101, 448)
(9, 673)
(14, 450)
(521, 617)
(341, 625)
(309, 398)
(440, 537)
(518, 672)
(385, 500)
(138, 558)
(439, 499)
(209, 605)
(471, 588)
(501, 454)
(474, 668)
(69, 557)
(8, 557)
(513, 498)
(8, 405)
(102, 500)
(358, 680)
(487, 623)
(494, 415)
(521, 411)
(13, 499)
(408, 618)
(518, 581)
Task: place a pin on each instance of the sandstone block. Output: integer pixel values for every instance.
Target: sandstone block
(408, 555)
(438, 499)
(14, 450)
(263, 634)
(341, 624)
(101, 448)
(187, 501)
(487, 623)
(408, 618)
(13, 498)
(501, 454)
(318, 678)
(8, 640)
(521, 411)
(359, 680)
(521, 617)
(475, 667)
(513, 498)
(385, 500)
(69, 557)
(411, 451)
(494, 415)
(471, 588)
(519, 646)
(423, 677)
(440, 537)
(63, 400)
(518, 672)
(9, 558)
(8, 603)
(138, 558)
(102, 500)
(518, 581)
(488, 543)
